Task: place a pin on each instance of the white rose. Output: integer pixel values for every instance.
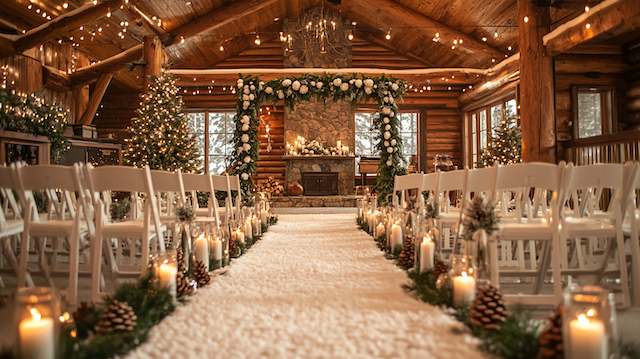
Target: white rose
(245, 105)
(245, 119)
(387, 135)
(268, 90)
(244, 176)
(286, 82)
(386, 110)
(385, 119)
(337, 82)
(280, 94)
(240, 83)
(351, 81)
(386, 143)
(313, 83)
(304, 89)
(390, 149)
(246, 147)
(247, 159)
(358, 83)
(344, 87)
(239, 150)
(385, 92)
(385, 99)
(253, 88)
(387, 127)
(395, 149)
(244, 138)
(245, 97)
(245, 128)
(389, 162)
(246, 90)
(367, 90)
(393, 142)
(368, 82)
(260, 84)
(296, 85)
(319, 85)
(391, 100)
(395, 87)
(252, 97)
(391, 114)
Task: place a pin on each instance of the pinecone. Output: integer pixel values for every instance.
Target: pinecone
(488, 310)
(201, 274)
(182, 268)
(185, 285)
(406, 258)
(550, 339)
(118, 317)
(439, 268)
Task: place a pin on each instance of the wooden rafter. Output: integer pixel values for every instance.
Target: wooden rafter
(390, 46)
(134, 12)
(95, 98)
(294, 8)
(384, 14)
(60, 25)
(113, 63)
(610, 16)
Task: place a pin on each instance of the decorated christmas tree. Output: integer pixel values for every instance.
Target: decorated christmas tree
(505, 146)
(159, 135)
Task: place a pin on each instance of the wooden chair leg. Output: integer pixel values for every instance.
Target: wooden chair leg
(74, 254)
(13, 262)
(24, 258)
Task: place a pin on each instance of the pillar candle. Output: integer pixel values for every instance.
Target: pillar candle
(263, 216)
(248, 230)
(240, 236)
(427, 249)
(587, 338)
(464, 290)
(396, 236)
(202, 250)
(380, 230)
(167, 276)
(216, 252)
(36, 336)
(255, 225)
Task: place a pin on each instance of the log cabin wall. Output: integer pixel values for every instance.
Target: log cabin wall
(631, 55)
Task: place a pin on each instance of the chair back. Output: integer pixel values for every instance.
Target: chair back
(590, 187)
(451, 180)
(481, 180)
(405, 183)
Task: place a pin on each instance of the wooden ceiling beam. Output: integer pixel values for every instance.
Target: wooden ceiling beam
(294, 8)
(219, 18)
(501, 74)
(608, 17)
(384, 14)
(389, 46)
(60, 25)
(135, 13)
(87, 74)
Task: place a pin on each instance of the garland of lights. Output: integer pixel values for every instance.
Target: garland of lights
(30, 113)
(382, 90)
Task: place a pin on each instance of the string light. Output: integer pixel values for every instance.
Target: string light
(257, 40)
(526, 19)
(587, 26)
(388, 35)
(221, 48)
(586, 8)
(65, 5)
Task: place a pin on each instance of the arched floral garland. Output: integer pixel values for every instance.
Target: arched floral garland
(382, 90)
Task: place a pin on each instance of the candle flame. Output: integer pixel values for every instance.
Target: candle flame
(464, 274)
(582, 319)
(591, 312)
(35, 314)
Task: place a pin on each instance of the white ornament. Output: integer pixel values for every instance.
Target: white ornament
(395, 87)
(244, 176)
(286, 82)
(319, 85)
(246, 147)
(296, 85)
(245, 97)
(244, 138)
(280, 94)
(390, 149)
(344, 87)
(337, 82)
(387, 135)
(386, 110)
(387, 127)
(385, 119)
(389, 162)
(386, 143)
(368, 90)
(368, 82)
(247, 159)
(245, 127)
(268, 90)
(393, 142)
(304, 89)
(358, 83)
(252, 97)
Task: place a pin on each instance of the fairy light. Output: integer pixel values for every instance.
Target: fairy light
(221, 48)
(257, 41)
(587, 26)
(526, 19)
(388, 35)
(587, 8)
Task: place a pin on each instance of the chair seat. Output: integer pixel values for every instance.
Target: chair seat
(587, 227)
(449, 217)
(55, 227)
(534, 230)
(11, 227)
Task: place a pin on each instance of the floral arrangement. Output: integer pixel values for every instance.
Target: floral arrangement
(479, 214)
(382, 90)
(314, 148)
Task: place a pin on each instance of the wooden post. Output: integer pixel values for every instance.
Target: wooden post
(96, 97)
(153, 57)
(536, 85)
(80, 92)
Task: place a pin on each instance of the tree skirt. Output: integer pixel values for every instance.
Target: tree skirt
(314, 287)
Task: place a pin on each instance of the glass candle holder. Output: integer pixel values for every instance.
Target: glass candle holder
(589, 328)
(166, 269)
(215, 249)
(425, 252)
(37, 312)
(463, 278)
(201, 249)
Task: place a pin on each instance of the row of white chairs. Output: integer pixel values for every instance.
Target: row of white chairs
(75, 233)
(574, 222)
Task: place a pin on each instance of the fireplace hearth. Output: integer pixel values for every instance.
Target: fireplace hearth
(320, 183)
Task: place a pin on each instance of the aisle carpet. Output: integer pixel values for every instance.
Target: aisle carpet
(314, 287)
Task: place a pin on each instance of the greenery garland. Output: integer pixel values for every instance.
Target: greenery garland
(385, 92)
(30, 113)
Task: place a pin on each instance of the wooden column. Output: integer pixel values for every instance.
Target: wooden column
(96, 97)
(536, 85)
(153, 57)
(80, 92)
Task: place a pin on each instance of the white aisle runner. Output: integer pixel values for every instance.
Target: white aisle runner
(314, 287)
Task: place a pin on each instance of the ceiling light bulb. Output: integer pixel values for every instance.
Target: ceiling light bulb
(221, 48)
(587, 8)
(495, 34)
(65, 5)
(484, 38)
(257, 40)
(526, 19)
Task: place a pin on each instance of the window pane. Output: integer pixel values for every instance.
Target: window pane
(363, 122)
(483, 130)
(474, 139)
(589, 114)
(363, 144)
(512, 108)
(216, 122)
(496, 117)
(364, 134)
(216, 164)
(196, 122)
(217, 143)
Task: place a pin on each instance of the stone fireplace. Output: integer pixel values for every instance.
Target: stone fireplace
(341, 167)
(326, 122)
(320, 183)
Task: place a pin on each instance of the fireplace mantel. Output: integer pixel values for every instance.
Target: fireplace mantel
(343, 165)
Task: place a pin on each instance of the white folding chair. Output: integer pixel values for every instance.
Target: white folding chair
(233, 184)
(194, 183)
(170, 194)
(64, 180)
(593, 225)
(148, 230)
(220, 184)
(11, 224)
(404, 184)
(450, 184)
(631, 224)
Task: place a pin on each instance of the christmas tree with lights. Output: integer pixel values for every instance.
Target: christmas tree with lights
(505, 146)
(159, 135)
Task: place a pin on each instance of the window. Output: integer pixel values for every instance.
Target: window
(366, 136)
(214, 133)
(482, 124)
(592, 111)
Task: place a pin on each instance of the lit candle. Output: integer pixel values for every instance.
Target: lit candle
(587, 338)
(202, 250)
(216, 252)
(464, 290)
(427, 249)
(167, 276)
(380, 230)
(255, 222)
(36, 336)
(263, 216)
(248, 230)
(240, 236)
(396, 236)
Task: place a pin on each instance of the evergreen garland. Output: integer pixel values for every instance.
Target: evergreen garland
(29, 113)
(159, 134)
(505, 147)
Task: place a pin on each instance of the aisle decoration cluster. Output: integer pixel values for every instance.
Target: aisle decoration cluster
(124, 319)
(409, 238)
(300, 147)
(31, 114)
(383, 91)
